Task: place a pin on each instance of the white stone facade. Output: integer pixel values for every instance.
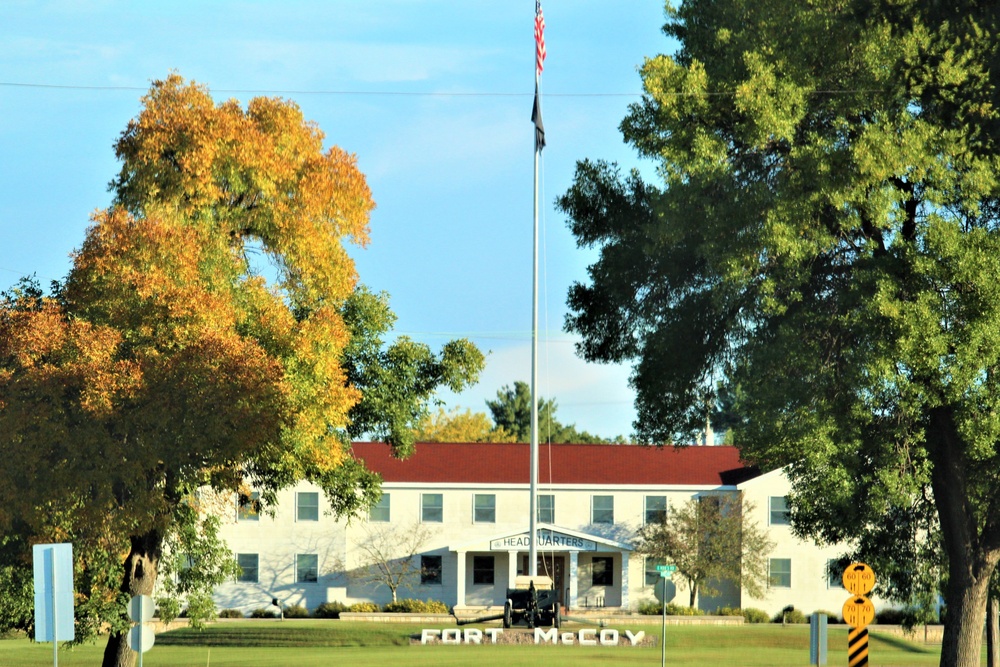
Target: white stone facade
(476, 535)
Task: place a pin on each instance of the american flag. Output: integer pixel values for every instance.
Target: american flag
(539, 37)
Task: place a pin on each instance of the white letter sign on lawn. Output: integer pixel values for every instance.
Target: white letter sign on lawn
(53, 570)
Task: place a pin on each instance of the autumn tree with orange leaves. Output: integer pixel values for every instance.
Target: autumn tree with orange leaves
(165, 362)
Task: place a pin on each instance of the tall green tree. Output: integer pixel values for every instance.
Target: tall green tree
(165, 362)
(398, 380)
(826, 235)
(511, 413)
(712, 541)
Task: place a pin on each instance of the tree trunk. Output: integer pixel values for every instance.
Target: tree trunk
(992, 636)
(963, 631)
(972, 553)
(693, 587)
(138, 579)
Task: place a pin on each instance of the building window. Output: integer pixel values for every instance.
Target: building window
(482, 570)
(602, 571)
(780, 573)
(602, 509)
(248, 567)
(656, 509)
(834, 574)
(431, 508)
(430, 569)
(652, 574)
(307, 506)
(306, 568)
(485, 508)
(248, 506)
(547, 509)
(380, 510)
(711, 504)
(779, 511)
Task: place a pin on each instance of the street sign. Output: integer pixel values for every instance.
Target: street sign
(53, 579)
(857, 647)
(666, 568)
(140, 638)
(817, 639)
(859, 579)
(858, 612)
(140, 609)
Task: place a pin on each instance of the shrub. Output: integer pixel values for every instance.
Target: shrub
(893, 617)
(754, 615)
(265, 612)
(681, 610)
(650, 608)
(411, 606)
(364, 608)
(330, 610)
(728, 611)
(200, 610)
(230, 613)
(296, 611)
(791, 616)
(167, 609)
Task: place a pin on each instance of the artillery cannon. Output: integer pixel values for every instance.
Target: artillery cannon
(535, 605)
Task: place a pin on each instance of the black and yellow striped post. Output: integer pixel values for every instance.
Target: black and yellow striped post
(858, 612)
(857, 647)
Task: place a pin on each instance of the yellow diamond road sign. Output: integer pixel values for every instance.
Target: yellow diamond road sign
(859, 579)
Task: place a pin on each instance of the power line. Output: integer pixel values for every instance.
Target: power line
(266, 91)
(400, 93)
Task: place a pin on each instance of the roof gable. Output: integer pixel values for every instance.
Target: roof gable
(508, 463)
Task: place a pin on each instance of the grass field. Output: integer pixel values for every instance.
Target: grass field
(315, 643)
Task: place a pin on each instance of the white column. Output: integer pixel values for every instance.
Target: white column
(625, 559)
(574, 586)
(511, 570)
(460, 576)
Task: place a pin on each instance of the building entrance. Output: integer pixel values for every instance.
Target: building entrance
(550, 565)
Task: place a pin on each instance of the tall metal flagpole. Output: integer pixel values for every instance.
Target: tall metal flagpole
(536, 117)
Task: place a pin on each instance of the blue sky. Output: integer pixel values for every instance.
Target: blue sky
(433, 96)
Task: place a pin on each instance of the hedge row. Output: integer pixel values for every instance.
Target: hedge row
(751, 615)
(334, 609)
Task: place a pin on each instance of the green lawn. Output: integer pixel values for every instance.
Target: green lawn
(309, 643)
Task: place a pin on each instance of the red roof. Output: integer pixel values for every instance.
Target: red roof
(508, 463)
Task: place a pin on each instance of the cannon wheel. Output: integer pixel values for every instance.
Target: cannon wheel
(507, 614)
(557, 616)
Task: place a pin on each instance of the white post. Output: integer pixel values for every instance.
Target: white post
(51, 557)
(624, 580)
(663, 629)
(574, 584)
(533, 483)
(460, 575)
(142, 615)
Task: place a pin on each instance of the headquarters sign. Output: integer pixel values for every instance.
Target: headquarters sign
(546, 540)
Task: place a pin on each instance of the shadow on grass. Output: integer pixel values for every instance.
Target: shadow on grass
(898, 643)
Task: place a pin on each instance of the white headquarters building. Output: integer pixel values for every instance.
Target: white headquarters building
(467, 507)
